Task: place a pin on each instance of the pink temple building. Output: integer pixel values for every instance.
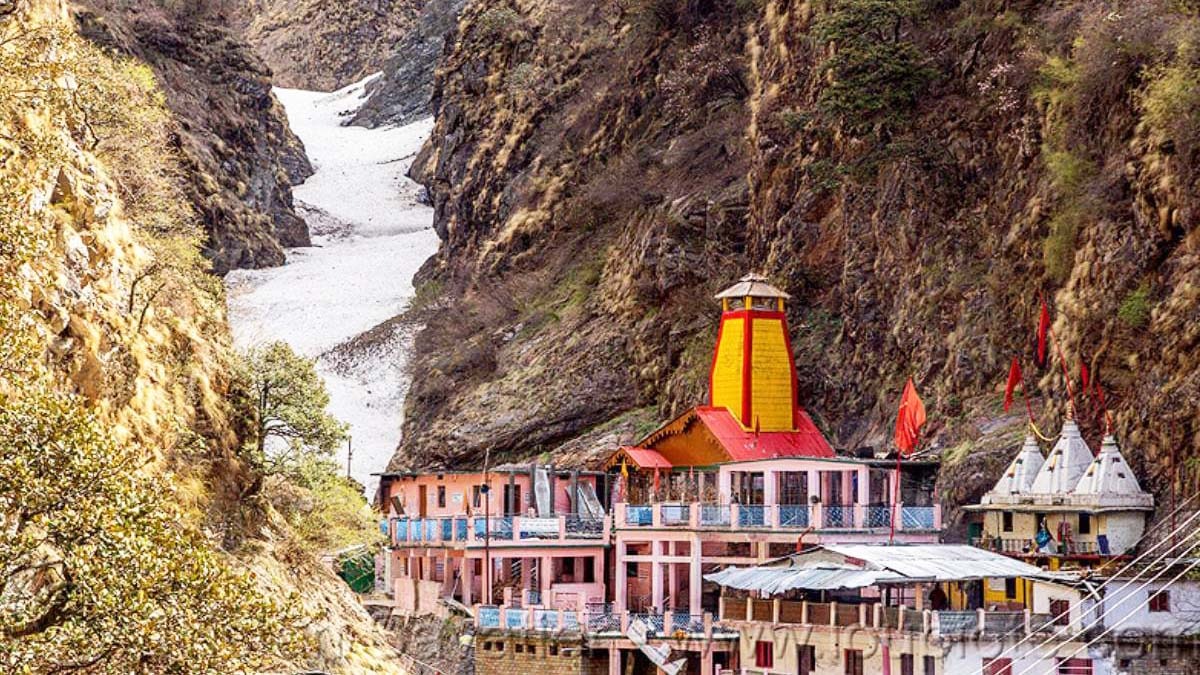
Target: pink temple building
(452, 538)
(619, 555)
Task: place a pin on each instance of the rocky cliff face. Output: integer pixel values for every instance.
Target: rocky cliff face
(106, 300)
(403, 92)
(240, 157)
(917, 174)
(322, 46)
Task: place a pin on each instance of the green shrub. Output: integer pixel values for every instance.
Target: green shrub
(1135, 307)
(1058, 250)
(1170, 101)
(497, 22)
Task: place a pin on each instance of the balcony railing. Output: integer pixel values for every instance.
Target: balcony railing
(958, 624)
(778, 516)
(1026, 546)
(469, 530)
(594, 619)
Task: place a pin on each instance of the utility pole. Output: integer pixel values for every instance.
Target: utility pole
(487, 528)
(349, 453)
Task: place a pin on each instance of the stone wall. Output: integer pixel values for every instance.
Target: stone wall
(514, 654)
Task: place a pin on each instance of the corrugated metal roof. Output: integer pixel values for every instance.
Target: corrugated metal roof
(773, 580)
(643, 458)
(833, 566)
(742, 444)
(943, 562)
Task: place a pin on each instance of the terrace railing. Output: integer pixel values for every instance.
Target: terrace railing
(953, 624)
(785, 516)
(594, 619)
(452, 530)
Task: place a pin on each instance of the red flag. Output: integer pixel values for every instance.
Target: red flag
(909, 419)
(1043, 328)
(1014, 378)
(1083, 375)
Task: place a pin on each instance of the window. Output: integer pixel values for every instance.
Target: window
(1075, 667)
(1061, 610)
(441, 496)
(930, 665)
(906, 664)
(854, 662)
(1085, 523)
(1160, 601)
(476, 496)
(997, 667)
(1006, 521)
(807, 658)
(764, 654)
(568, 567)
(631, 570)
(1010, 589)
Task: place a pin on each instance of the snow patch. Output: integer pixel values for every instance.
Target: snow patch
(336, 301)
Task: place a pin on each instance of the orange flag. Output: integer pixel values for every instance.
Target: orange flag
(1014, 378)
(1043, 328)
(910, 419)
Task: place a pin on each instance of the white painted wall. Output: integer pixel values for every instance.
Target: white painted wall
(1132, 602)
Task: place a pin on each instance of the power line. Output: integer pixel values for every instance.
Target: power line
(1118, 574)
(1123, 619)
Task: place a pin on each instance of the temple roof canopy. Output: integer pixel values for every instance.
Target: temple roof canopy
(753, 286)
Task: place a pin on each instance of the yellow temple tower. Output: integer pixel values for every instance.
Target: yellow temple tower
(753, 374)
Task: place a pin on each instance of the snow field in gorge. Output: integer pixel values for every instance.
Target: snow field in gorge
(333, 301)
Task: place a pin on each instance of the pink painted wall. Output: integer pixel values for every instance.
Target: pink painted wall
(458, 490)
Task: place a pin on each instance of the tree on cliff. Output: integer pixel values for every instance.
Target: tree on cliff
(287, 402)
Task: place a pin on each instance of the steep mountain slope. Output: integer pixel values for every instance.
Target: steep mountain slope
(240, 157)
(403, 93)
(322, 46)
(917, 174)
(120, 476)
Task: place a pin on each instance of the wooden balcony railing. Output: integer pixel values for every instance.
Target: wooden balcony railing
(698, 515)
(905, 619)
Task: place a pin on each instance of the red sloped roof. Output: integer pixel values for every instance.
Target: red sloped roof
(743, 445)
(643, 458)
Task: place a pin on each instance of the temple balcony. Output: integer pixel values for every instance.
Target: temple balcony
(793, 517)
(497, 531)
(954, 624)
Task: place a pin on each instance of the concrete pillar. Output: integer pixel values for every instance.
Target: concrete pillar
(672, 578)
(724, 491)
(706, 659)
(546, 574)
(526, 574)
(814, 484)
(864, 485)
(847, 487)
(619, 580)
(694, 579)
(656, 576)
(614, 661)
(468, 580)
(770, 496)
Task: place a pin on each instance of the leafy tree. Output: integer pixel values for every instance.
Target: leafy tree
(875, 73)
(287, 402)
(99, 572)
